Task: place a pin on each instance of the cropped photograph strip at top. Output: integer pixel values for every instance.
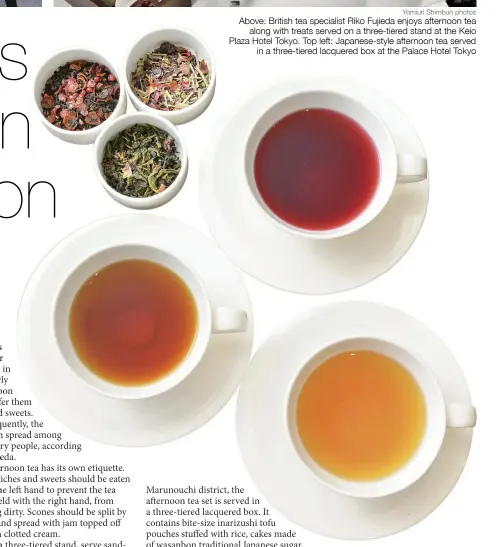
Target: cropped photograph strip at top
(264, 3)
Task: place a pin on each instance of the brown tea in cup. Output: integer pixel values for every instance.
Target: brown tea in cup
(133, 322)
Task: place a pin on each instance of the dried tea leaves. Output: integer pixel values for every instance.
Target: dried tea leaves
(141, 161)
(170, 78)
(80, 95)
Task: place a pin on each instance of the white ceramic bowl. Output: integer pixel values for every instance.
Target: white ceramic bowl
(179, 37)
(88, 136)
(118, 125)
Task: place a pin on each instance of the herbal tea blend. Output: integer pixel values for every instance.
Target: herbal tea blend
(141, 161)
(80, 95)
(170, 78)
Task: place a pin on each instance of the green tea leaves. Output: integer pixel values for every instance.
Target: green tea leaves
(141, 161)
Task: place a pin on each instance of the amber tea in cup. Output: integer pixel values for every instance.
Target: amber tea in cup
(133, 322)
(360, 415)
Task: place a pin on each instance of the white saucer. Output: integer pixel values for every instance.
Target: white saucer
(273, 463)
(133, 422)
(287, 261)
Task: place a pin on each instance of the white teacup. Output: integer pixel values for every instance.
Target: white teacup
(210, 320)
(395, 168)
(439, 416)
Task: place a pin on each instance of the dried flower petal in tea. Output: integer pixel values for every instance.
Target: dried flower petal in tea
(141, 161)
(80, 95)
(170, 78)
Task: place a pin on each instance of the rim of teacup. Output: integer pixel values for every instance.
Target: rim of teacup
(421, 460)
(79, 274)
(387, 158)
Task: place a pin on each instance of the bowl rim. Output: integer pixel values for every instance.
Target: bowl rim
(156, 120)
(93, 130)
(172, 114)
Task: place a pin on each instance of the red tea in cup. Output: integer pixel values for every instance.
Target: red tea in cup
(316, 169)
